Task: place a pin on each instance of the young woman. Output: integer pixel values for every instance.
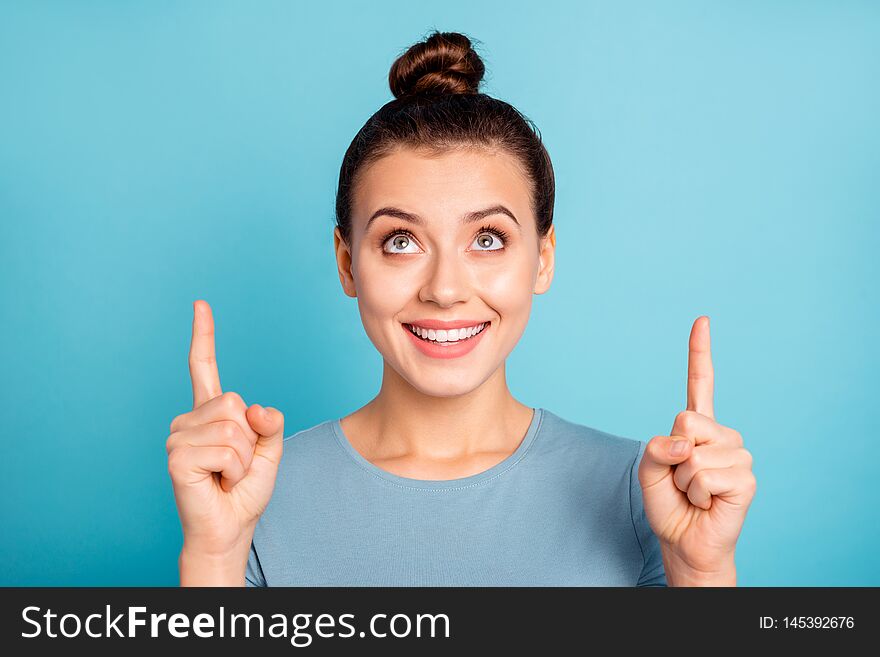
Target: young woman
(444, 232)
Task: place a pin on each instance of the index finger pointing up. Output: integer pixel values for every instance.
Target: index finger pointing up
(202, 358)
(701, 376)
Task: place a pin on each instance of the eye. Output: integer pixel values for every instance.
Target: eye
(399, 239)
(490, 235)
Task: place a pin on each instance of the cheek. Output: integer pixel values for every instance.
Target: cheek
(508, 287)
(382, 290)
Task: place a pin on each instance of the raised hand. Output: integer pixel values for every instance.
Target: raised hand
(697, 482)
(223, 459)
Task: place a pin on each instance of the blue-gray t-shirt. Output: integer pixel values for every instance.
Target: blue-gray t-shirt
(564, 509)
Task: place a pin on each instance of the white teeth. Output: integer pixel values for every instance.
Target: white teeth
(452, 335)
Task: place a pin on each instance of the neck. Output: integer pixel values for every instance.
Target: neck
(402, 421)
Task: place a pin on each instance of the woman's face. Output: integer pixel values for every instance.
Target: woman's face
(463, 259)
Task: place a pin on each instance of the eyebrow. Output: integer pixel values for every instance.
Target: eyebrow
(416, 219)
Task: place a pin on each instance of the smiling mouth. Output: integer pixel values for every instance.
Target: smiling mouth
(447, 338)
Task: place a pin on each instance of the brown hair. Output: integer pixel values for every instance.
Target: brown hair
(437, 106)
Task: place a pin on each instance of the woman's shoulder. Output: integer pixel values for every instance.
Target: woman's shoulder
(316, 431)
(565, 435)
(313, 441)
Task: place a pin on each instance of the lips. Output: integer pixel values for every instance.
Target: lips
(447, 337)
(454, 349)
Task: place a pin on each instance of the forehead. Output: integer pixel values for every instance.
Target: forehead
(439, 185)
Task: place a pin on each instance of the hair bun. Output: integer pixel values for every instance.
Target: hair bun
(444, 63)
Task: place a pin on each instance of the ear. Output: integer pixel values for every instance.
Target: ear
(343, 263)
(546, 257)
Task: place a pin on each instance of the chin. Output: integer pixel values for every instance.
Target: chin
(433, 384)
(433, 389)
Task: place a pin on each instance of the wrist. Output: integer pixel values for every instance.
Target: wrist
(680, 573)
(200, 567)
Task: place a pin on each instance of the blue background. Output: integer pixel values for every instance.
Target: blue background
(717, 158)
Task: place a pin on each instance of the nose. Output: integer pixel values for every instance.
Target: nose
(448, 280)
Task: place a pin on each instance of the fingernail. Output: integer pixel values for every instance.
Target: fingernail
(677, 448)
(265, 412)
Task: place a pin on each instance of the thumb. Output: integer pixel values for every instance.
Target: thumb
(268, 423)
(661, 453)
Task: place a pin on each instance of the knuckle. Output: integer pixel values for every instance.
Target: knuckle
(654, 445)
(747, 457)
(230, 431)
(753, 482)
(738, 437)
(701, 478)
(684, 421)
(174, 463)
(207, 359)
(176, 422)
(688, 422)
(170, 444)
(680, 418)
(232, 401)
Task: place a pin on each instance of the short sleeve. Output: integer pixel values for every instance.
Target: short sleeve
(653, 573)
(253, 574)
